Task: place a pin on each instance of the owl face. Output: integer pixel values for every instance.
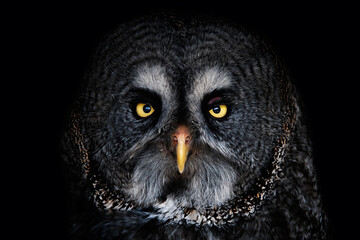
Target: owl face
(188, 113)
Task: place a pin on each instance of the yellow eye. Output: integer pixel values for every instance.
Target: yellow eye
(144, 110)
(218, 111)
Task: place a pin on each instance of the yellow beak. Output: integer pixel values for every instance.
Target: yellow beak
(181, 139)
(182, 150)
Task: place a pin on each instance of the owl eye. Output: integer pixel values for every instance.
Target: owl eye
(218, 111)
(144, 110)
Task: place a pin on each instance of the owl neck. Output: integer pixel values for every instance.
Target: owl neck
(241, 207)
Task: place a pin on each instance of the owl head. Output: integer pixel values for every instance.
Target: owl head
(178, 114)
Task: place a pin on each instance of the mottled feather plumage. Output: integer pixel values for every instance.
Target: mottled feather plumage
(248, 175)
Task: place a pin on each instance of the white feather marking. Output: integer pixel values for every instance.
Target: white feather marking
(154, 79)
(210, 80)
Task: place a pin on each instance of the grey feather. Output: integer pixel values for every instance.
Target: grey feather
(248, 175)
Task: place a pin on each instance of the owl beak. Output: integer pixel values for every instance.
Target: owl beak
(181, 140)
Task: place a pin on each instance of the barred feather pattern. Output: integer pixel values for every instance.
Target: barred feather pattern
(122, 184)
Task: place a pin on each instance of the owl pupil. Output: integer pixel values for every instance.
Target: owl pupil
(216, 109)
(147, 108)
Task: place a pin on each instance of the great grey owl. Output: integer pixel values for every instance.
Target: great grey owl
(189, 128)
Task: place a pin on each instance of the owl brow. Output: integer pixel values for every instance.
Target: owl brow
(219, 95)
(215, 99)
(142, 94)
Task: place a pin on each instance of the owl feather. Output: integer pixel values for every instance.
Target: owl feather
(189, 128)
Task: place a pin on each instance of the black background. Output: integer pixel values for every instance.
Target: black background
(49, 46)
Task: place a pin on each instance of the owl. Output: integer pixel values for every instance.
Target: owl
(189, 128)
